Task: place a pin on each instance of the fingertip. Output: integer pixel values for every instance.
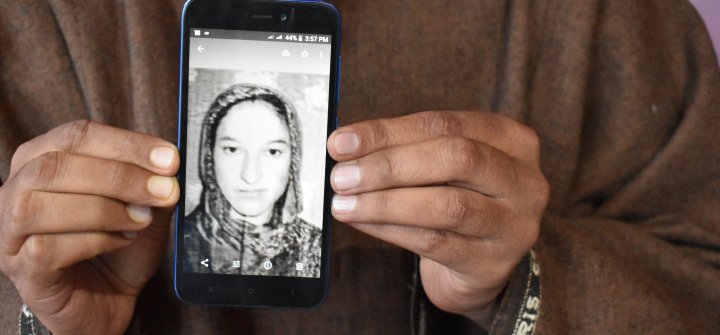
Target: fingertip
(166, 158)
(331, 144)
(129, 235)
(346, 143)
(139, 214)
(174, 196)
(165, 189)
(343, 204)
(345, 176)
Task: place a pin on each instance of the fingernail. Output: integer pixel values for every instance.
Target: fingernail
(139, 214)
(160, 187)
(347, 177)
(343, 204)
(346, 143)
(130, 235)
(162, 157)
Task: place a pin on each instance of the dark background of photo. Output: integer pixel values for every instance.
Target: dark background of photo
(308, 94)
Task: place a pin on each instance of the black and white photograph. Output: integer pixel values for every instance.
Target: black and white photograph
(255, 172)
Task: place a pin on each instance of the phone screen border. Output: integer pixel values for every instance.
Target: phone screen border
(311, 17)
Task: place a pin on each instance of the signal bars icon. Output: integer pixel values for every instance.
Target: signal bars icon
(279, 37)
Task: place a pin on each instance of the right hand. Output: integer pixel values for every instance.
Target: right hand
(78, 237)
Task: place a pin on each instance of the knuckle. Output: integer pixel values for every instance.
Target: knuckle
(439, 124)
(118, 178)
(454, 209)
(44, 169)
(540, 189)
(36, 249)
(124, 146)
(71, 136)
(22, 151)
(391, 167)
(461, 154)
(529, 138)
(543, 187)
(431, 240)
(380, 134)
(20, 210)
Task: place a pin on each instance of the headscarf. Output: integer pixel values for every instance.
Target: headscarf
(217, 207)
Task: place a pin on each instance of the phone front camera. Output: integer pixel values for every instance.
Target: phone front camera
(283, 17)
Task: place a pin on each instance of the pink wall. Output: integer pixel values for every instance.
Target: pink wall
(710, 12)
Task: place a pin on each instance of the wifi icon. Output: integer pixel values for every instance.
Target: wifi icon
(271, 37)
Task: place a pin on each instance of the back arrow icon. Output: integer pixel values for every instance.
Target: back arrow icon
(205, 262)
(200, 48)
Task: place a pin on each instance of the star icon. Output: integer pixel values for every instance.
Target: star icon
(305, 53)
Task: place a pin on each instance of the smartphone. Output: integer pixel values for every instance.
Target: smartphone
(258, 99)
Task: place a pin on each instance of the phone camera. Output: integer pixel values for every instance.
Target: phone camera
(283, 17)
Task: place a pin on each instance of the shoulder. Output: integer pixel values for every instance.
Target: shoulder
(195, 217)
(302, 231)
(193, 227)
(302, 223)
(304, 227)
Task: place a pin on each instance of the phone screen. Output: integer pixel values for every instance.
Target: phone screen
(257, 120)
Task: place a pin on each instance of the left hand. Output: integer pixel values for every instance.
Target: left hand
(464, 190)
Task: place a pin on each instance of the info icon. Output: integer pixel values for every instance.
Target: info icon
(298, 266)
(267, 265)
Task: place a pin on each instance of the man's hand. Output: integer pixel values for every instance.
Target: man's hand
(78, 237)
(463, 190)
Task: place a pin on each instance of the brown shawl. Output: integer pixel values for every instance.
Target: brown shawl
(625, 96)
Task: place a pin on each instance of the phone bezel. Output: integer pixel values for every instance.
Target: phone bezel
(311, 17)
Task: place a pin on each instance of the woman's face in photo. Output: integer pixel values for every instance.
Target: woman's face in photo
(252, 159)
